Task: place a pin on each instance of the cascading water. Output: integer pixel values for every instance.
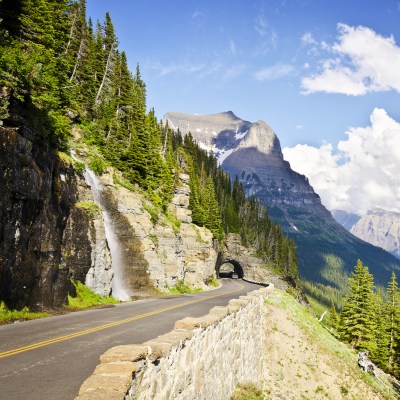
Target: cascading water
(119, 290)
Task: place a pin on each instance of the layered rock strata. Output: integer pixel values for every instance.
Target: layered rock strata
(380, 228)
(159, 254)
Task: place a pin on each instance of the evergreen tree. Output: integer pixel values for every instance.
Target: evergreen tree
(358, 315)
(393, 325)
(334, 317)
(380, 356)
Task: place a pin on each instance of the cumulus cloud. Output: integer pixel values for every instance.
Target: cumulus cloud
(361, 173)
(275, 72)
(363, 61)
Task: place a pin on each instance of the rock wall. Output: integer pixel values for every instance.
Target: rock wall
(202, 358)
(45, 239)
(158, 253)
(380, 228)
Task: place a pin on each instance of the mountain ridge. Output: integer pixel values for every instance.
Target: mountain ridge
(326, 250)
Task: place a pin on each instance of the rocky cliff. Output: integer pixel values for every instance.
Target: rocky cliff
(252, 152)
(380, 228)
(157, 254)
(46, 239)
(52, 232)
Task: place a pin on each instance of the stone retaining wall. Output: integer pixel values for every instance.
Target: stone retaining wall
(202, 358)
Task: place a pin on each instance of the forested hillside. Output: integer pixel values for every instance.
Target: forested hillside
(60, 71)
(370, 319)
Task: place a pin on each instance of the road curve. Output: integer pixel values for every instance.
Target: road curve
(48, 359)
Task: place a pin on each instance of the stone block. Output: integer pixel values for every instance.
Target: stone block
(124, 368)
(105, 387)
(220, 310)
(234, 305)
(176, 336)
(158, 349)
(132, 352)
(190, 323)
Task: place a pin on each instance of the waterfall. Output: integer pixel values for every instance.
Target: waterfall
(119, 290)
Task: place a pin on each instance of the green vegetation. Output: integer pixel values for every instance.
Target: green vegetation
(181, 287)
(325, 342)
(212, 281)
(92, 209)
(86, 298)
(7, 316)
(247, 391)
(370, 319)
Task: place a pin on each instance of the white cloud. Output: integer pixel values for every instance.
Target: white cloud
(365, 62)
(275, 72)
(308, 38)
(233, 72)
(232, 47)
(198, 70)
(269, 37)
(261, 25)
(362, 173)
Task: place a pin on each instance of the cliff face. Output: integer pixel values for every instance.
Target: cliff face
(48, 237)
(380, 228)
(158, 254)
(45, 240)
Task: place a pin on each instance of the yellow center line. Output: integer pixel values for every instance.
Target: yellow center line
(106, 326)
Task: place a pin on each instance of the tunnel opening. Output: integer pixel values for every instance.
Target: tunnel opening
(228, 269)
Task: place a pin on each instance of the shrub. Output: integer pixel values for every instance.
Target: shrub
(92, 209)
(7, 315)
(85, 297)
(97, 165)
(247, 391)
(181, 287)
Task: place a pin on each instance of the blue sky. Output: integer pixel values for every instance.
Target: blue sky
(312, 69)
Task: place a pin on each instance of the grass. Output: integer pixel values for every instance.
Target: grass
(119, 179)
(324, 341)
(86, 298)
(181, 287)
(92, 209)
(212, 281)
(247, 391)
(7, 316)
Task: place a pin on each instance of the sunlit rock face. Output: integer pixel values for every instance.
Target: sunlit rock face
(252, 152)
(380, 228)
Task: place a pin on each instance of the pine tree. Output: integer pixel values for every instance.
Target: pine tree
(393, 325)
(358, 315)
(333, 317)
(380, 356)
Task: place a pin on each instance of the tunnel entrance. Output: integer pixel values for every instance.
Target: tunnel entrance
(226, 268)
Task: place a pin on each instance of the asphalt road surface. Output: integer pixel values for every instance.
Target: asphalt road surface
(49, 358)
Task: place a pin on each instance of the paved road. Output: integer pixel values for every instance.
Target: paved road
(48, 359)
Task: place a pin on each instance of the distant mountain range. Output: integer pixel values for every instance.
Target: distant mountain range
(251, 151)
(378, 227)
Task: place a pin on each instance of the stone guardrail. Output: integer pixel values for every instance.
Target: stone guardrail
(201, 358)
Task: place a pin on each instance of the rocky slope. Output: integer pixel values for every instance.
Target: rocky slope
(252, 152)
(304, 361)
(380, 228)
